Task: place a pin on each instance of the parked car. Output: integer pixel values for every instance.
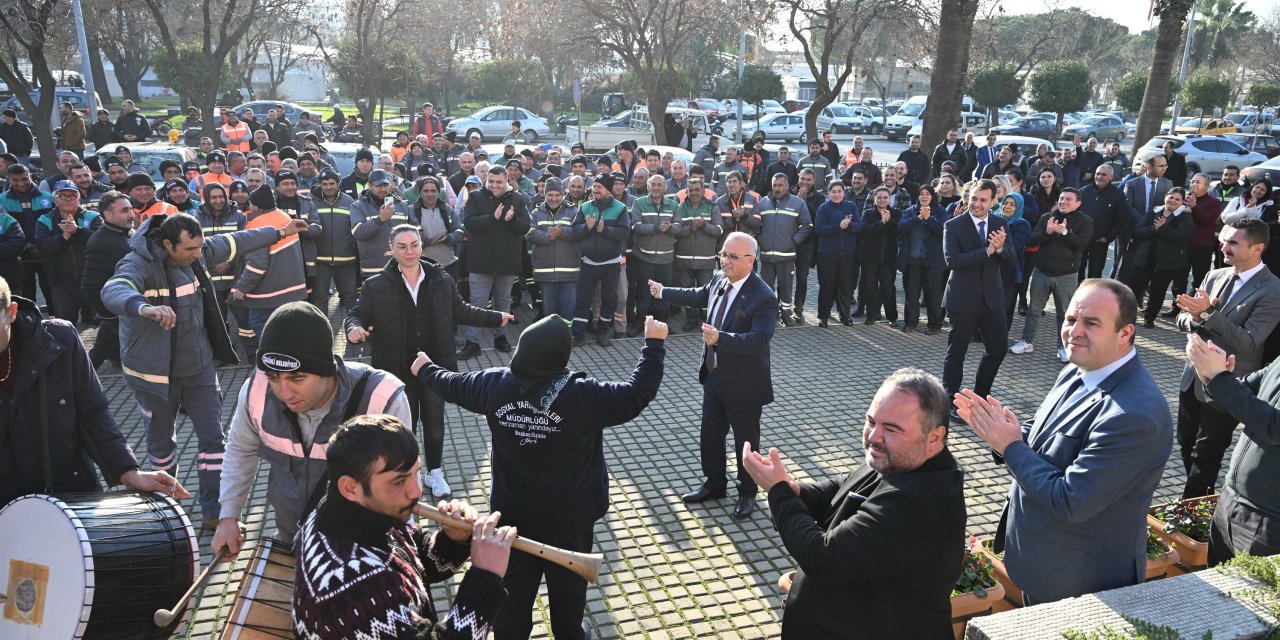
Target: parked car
(1008, 114)
(495, 122)
(1100, 126)
(1269, 170)
(773, 106)
(344, 155)
(1247, 121)
(1207, 126)
(838, 118)
(1204, 153)
(1032, 126)
(793, 106)
(75, 95)
(1268, 146)
(712, 108)
(150, 154)
(777, 127)
(1130, 129)
(873, 118)
(731, 110)
(261, 107)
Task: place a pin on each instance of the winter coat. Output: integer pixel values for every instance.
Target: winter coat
(63, 258)
(73, 132)
(832, 240)
(373, 236)
(1059, 254)
(12, 245)
(102, 134)
(495, 247)
(557, 260)
(606, 241)
(17, 137)
(696, 247)
(306, 210)
(653, 245)
(1166, 247)
(106, 247)
(275, 274)
(231, 221)
(878, 242)
(132, 124)
(927, 232)
(336, 245)
(784, 225)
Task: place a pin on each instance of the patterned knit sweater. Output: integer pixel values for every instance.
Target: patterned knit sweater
(365, 576)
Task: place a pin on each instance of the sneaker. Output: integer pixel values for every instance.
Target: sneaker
(1021, 347)
(439, 488)
(1062, 355)
(469, 350)
(500, 344)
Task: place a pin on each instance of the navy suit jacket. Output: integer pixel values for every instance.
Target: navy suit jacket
(742, 353)
(976, 278)
(1135, 195)
(1076, 520)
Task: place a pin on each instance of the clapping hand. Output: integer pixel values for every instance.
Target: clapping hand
(996, 240)
(1161, 220)
(497, 213)
(1207, 358)
(991, 421)
(1196, 304)
(767, 471)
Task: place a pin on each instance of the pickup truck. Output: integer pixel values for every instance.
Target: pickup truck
(641, 130)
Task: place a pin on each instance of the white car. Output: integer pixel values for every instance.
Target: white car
(495, 123)
(839, 118)
(773, 106)
(1248, 121)
(731, 109)
(783, 127)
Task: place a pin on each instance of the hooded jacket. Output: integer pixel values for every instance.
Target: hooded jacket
(275, 274)
(145, 277)
(54, 370)
(556, 260)
(73, 132)
(231, 221)
(64, 258)
(372, 235)
(398, 328)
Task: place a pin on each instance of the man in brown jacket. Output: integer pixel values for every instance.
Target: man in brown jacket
(73, 130)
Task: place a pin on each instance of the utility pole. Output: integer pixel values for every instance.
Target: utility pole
(742, 68)
(86, 68)
(1182, 75)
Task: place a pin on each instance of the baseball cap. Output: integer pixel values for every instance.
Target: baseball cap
(378, 177)
(65, 185)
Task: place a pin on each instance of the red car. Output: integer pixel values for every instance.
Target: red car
(1268, 146)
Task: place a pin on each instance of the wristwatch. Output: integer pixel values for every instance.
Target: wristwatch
(1202, 316)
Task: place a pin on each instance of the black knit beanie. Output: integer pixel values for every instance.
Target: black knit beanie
(297, 337)
(542, 355)
(263, 198)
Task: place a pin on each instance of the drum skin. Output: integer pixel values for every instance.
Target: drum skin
(93, 565)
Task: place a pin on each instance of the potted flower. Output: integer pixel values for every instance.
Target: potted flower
(1011, 591)
(1160, 556)
(976, 590)
(1185, 525)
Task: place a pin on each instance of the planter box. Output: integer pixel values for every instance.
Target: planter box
(969, 605)
(1192, 553)
(1159, 567)
(1011, 591)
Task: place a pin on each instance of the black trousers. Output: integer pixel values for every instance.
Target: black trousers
(1028, 265)
(30, 269)
(1204, 433)
(1092, 261)
(805, 260)
(1157, 283)
(606, 276)
(722, 412)
(879, 291)
(106, 346)
(566, 590)
(1238, 528)
(428, 407)
(1201, 259)
(919, 279)
(641, 272)
(67, 300)
(988, 324)
(1011, 299)
(835, 284)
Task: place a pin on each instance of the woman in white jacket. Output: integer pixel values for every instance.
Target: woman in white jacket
(1250, 204)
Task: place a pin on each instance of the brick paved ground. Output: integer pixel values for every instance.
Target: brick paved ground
(673, 571)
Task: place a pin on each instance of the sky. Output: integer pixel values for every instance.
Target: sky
(1130, 13)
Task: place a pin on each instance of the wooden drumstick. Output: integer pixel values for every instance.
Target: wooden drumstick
(165, 617)
(586, 565)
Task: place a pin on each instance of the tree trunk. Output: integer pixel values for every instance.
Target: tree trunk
(95, 67)
(658, 100)
(1172, 14)
(950, 63)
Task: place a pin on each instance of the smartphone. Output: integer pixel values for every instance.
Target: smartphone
(388, 201)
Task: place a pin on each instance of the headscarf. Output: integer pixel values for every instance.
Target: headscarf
(1017, 213)
(541, 358)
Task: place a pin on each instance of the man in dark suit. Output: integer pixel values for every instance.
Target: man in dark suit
(973, 246)
(1143, 194)
(880, 549)
(1248, 510)
(1085, 468)
(1236, 307)
(985, 155)
(742, 312)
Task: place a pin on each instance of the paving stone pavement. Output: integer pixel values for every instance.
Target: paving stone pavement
(671, 570)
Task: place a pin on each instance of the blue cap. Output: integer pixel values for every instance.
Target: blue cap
(546, 146)
(473, 180)
(65, 185)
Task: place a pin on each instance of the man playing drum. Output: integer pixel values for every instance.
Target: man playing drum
(285, 414)
(364, 572)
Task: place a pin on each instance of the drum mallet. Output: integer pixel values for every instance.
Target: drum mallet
(165, 617)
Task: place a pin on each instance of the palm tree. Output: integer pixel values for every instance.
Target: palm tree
(1221, 23)
(1172, 14)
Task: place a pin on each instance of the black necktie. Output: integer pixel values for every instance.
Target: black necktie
(1229, 289)
(722, 299)
(1151, 195)
(982, 232)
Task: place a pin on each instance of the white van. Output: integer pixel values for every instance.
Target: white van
(909, 115)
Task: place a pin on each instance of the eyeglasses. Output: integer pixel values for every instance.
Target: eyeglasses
(66, 195)
(725, 255)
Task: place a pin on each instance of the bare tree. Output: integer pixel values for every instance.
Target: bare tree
(126, 33)
(25, 25)
(367, 53)
(220, 26)
(650, 36)
(950, 65)
(830, 32)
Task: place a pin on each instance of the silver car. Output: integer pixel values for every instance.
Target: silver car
(783, 127)
(1204, 153)
(495, 123)
(1101, 126)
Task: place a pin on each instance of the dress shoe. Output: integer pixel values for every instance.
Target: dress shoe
(500, 344)
(746, 505)
(1149, 323)
(703, 494)
(788, 321)
(822, 323)
(468, 351)
(848, 322)
(910, 328)
(799, 314)
(859, 312)
(1172, 313)
(932, 331)
(955, 417)
(868, 320)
